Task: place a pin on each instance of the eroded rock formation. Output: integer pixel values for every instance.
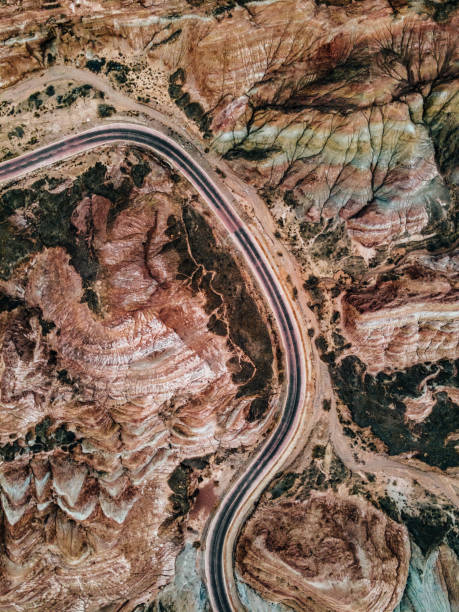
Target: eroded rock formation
(325, 553)
(123, 357)
(339, 115)
(409, 319)
(331, 114)
(125, 352)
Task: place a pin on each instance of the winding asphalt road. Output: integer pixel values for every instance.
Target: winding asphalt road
(236, 504)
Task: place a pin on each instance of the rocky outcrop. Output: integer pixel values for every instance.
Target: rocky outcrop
(121, 359)
(325, 553)
(410, 318)
(431, 584)
(338, 116)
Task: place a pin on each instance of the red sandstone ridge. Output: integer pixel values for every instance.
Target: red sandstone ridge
(325, 553)
(332, 114)
(119, 362)
(409, 319)
(338, 116)
(134, 366)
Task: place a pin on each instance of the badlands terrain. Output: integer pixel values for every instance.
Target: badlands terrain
(142, 365)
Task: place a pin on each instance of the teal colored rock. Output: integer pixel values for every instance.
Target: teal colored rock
(187, 591)
(255, 603)
(426, 589)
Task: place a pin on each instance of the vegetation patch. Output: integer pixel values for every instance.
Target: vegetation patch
(181, 485)
(35, 101)
(81, 91)
(179, 482)
(139, 172)
(43, 438)
(95, 64)
(284, 484)
(171, 38)
(17, 132)
(91, 298)
(215, 273)
(120, 71)
(428, 528)
(105, 110)
(254, 154)
(316, 477)
(7, 303)
(429, 524)
(441, 11)
(193, 110)
(378, 402)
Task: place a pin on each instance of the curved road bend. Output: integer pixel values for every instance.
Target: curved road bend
(237, 502)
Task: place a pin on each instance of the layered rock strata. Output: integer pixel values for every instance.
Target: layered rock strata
(343, 116)
(410, 319)
(123, 356)
(325, 553)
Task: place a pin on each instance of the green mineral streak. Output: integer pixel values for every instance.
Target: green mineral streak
(254, 602)
(186, 592)
(424, 591)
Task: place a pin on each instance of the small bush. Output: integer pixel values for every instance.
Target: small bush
(105, 110)
(35, 100)
(18, 132)
(95, 65)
